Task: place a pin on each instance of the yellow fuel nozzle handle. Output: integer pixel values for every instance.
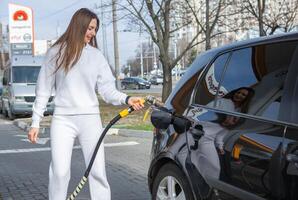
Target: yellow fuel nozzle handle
(129, 110)
(151, 100)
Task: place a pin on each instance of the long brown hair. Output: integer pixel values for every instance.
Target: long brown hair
(71, 43)
(245, 103)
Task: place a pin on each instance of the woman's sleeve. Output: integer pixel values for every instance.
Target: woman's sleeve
(43, 90)
(106, 85)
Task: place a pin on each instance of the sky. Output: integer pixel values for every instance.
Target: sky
(50, 14)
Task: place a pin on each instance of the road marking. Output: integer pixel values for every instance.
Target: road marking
(11, 151)
(5, 122)
(42, 141)
(129, 143)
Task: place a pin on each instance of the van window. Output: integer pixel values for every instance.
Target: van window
(25, 74)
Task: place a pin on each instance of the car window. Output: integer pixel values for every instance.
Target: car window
(182, 97)
(239, 72)
(289, 102)
(253, 80)
(271, 111)
(208, 87)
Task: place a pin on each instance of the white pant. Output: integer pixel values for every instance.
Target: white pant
(64, 130)
(207, 156)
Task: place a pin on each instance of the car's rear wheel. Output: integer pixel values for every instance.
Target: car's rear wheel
(171, 183)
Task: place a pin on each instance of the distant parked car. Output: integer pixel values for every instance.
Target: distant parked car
(135, 83)
(155, 80)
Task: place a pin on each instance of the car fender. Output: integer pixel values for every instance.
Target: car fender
(186, 168)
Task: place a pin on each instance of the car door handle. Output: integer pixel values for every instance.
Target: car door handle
(292, 158)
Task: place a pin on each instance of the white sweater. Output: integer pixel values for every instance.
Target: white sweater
(75, 92)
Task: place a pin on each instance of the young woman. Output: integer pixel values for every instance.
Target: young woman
(214, 132)
(75, 68)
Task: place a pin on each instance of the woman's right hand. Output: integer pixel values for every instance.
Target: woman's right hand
(33, 134)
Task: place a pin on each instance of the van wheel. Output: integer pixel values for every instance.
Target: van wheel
(4, 112)
(10, 115)
(171, 183)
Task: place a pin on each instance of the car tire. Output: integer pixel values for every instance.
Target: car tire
(170, 172)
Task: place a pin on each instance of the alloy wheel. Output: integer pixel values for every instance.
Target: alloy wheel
(170, 189)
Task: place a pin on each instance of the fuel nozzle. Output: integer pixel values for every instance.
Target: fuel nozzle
(154, 101)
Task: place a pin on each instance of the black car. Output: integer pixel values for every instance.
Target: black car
(206, 149)
(135, 83)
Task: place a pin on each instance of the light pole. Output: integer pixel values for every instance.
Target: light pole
(141, 46)
(116, 51)
(175, 56)
(154, 58)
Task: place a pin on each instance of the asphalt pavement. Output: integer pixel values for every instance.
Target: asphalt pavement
(24, 166)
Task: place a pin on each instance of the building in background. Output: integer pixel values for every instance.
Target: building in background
(235, 23)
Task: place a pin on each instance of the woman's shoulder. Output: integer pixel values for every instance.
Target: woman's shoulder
(226, 104)
(52, 51)
(225, 100)
(93, 50)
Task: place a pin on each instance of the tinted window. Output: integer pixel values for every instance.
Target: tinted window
(182, 97)
(262, 70)
(272, 110)
(239, 72)
(25, 74)
(208, 87)
(289, 102)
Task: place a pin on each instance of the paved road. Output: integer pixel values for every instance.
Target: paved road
(24, 167)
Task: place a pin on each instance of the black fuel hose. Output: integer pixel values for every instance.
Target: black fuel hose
(151, 100)
(84, 179)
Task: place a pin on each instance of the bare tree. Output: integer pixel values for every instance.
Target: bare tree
(161, 19)
(214, 18)
(273, 15)
(155, 16)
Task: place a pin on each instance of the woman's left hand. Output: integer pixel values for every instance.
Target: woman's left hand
(136, 102)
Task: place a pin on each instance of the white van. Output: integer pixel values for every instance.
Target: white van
(19, 82)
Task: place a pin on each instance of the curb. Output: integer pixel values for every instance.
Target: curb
(112, 131)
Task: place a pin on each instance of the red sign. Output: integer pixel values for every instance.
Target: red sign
(20, 15)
